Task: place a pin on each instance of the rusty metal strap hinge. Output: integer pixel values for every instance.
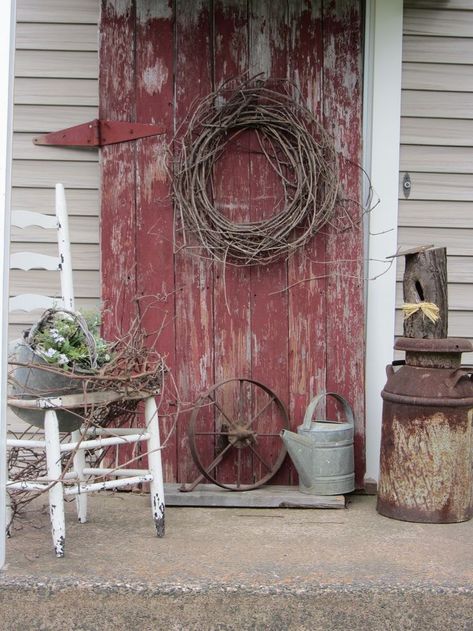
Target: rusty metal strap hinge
(98, 133)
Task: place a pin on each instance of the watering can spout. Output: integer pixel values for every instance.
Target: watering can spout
(300, 449)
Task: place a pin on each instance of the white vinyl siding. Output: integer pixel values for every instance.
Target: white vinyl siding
(56, 86)
(437, 145)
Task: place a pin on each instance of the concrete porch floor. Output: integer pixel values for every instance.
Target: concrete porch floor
(221, 568)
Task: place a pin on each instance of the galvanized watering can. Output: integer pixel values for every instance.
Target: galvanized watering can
(322, 451)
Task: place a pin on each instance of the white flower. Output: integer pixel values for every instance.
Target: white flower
(51, 352)
(63, 359)
(57, 337)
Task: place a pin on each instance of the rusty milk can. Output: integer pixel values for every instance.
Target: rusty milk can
(426, 441)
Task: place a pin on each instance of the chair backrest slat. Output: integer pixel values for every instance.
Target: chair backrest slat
(34, 260)
(31, 260)
(25, 218)
(30, 302)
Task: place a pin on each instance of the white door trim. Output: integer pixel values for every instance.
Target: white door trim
(381, 130)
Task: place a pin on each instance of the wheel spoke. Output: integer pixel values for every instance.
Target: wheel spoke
(260, 458)
(218, 459)
(239, 469)
(240, 402)
(232, 424)
(215, 434)
(263, 409)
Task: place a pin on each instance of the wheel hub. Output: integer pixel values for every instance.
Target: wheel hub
(240, 436)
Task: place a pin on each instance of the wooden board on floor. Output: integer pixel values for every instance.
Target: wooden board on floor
(264, 497)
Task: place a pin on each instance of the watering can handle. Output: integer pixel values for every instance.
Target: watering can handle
(316, 400)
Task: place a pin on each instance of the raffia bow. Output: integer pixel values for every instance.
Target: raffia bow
(428, 309)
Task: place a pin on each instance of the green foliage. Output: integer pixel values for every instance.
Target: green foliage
(70, 341)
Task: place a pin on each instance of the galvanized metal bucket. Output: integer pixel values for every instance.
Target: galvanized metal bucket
(322, 451)
(29, 379)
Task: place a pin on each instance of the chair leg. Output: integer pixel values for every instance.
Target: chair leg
(155, 465)
(56, 497)
(8, 515)
(79, 464)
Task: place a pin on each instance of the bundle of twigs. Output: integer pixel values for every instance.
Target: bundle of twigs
(297, 148)
(136, 370)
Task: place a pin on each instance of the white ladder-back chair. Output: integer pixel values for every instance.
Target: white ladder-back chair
(61, 263)
(80, 480)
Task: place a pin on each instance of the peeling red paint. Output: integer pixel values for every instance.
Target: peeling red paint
(342, 107)
(226, 323)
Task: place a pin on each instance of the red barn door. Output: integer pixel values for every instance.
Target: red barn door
(296, 325)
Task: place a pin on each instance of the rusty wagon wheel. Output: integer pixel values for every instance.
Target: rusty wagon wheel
(234, 434)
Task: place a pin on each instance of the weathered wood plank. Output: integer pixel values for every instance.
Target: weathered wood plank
(45, 118)
(437, 131)
(264, 497)
(48, 36)
(439, 186)
(79, 201)
(118, 212)
(453, 77)
(269, 310)
(432, 159)
(74, 92)
(459, 242)
(345, 299)
(430, 104)
(56, 64)
(24, 149)
(307, 300)
(193, 275)
(25, 173)
(438, 22)
(154, 211)
(425, 280)
(441, 50)
(232, 285)
(83, 12)
(441, 214)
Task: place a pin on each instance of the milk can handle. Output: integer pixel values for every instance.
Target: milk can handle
(316, 400)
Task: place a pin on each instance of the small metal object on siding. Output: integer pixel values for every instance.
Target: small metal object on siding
(406, 185)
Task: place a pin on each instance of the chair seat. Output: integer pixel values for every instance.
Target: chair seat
(81, 400)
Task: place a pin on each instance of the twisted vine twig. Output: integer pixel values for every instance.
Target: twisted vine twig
(297, 148)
